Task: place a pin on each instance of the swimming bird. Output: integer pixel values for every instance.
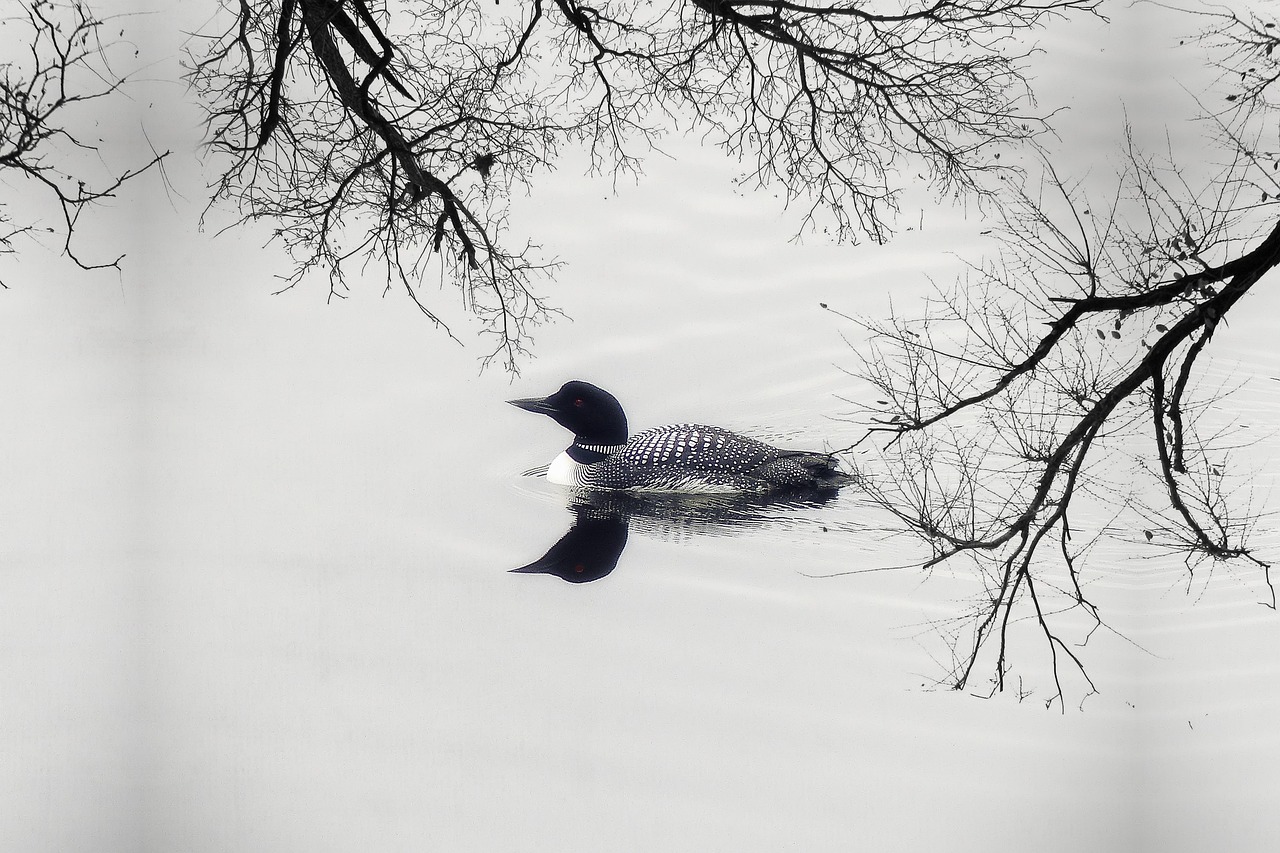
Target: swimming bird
(675, 458)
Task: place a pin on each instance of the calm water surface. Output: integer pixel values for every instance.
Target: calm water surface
(254, 593)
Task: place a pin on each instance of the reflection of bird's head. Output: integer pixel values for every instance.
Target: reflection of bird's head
(588, 552)
(592, 414)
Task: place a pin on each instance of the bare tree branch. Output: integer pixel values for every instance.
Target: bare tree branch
(402, 133)
(1023, 393)
(42, 92)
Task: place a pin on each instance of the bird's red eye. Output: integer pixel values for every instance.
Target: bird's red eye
(578, 402)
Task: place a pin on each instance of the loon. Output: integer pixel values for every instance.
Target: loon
(675, 458)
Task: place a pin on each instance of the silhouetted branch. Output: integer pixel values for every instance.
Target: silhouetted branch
(64, 68)
(1035, 386)
(403, 134)
(995, 430)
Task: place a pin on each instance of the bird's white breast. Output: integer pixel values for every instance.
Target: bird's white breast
(564, 470)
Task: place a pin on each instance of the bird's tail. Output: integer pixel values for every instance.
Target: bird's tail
(806, 470)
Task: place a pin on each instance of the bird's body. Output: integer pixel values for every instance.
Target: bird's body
(675, 458)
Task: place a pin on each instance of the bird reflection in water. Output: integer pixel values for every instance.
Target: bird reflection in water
(594, 543)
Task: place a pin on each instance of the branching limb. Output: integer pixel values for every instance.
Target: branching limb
(1030, 423)
(424, 119)
(65, 68)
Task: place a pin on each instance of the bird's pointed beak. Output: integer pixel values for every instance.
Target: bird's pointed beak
(534, 404)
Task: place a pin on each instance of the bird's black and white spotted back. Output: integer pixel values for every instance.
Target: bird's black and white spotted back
(696, 457)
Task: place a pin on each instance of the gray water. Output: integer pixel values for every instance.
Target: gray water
(254, 587)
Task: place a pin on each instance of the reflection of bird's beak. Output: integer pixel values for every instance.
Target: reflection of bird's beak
(534, 404)
(588, 552)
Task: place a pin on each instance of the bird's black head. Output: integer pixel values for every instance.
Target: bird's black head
(592, 414)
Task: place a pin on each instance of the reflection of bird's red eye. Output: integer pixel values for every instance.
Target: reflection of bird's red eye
(578, 402)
